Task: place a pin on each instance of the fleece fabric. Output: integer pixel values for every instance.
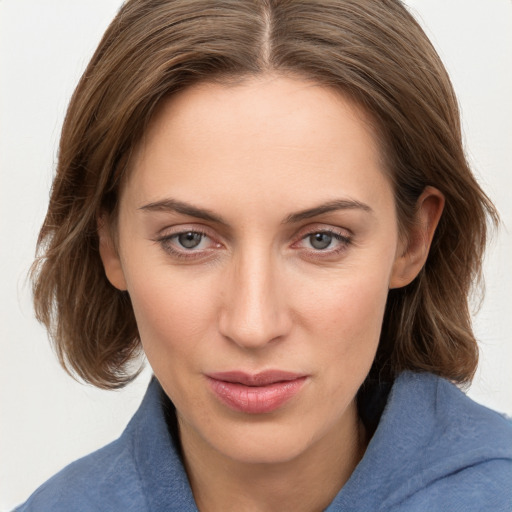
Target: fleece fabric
(434, 449)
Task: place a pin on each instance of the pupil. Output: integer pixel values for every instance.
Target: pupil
(190, 240)
(321, 240)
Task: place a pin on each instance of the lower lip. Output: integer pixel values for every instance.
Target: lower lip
(255, 399)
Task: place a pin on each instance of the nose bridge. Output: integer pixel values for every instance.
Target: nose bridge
(254, 312)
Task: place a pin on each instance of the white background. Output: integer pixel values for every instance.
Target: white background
(47, 419)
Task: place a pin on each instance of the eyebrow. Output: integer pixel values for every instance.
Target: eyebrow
(331, 206)
(173, 205)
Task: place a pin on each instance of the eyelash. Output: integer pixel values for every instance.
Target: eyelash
(184, 254)
(344, 240)
(165, 242)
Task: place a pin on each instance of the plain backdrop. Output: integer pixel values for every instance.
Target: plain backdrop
(46, 418)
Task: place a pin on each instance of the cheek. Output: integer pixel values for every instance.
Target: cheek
(348, 303)
(173, 317)
(172, 313)
(345, 317)
(348, 341)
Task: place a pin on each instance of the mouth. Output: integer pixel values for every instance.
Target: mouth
(258, 393)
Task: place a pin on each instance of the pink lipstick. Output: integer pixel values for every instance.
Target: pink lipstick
(255, 393)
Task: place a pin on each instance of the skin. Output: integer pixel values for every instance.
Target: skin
(257, 293)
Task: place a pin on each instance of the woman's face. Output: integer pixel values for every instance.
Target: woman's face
(258, 239)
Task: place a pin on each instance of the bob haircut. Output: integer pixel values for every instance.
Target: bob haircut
(372, 51)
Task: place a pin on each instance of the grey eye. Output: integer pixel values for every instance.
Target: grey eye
(190, 240)
(320, 240)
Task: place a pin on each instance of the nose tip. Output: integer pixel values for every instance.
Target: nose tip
(252, 331)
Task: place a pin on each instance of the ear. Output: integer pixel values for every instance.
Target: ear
(413, 255)
(109, 254)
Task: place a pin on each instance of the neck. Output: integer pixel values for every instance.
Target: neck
(308, 482)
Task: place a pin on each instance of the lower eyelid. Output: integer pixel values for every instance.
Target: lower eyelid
(343, 243)
(169, 244)
(174, 239)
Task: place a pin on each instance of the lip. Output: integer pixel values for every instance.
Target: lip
(258, 393)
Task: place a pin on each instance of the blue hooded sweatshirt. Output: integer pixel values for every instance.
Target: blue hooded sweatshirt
(434, 449)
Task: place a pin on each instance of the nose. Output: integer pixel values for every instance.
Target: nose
(255, 308)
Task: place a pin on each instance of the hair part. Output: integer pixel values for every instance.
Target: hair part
(371, 50)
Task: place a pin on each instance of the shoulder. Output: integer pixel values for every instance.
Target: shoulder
(140, 471)
(454, 420)
(463, 450)
(104, 480)
(434, 449)
(107, 479)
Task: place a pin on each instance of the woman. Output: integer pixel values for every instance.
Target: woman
(271, 200)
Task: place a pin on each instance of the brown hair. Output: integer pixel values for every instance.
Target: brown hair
(373, 51)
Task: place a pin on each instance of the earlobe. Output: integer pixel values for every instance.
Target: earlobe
(413, 256)
(110, 256)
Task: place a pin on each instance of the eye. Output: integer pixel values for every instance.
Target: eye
(189, 240)
(188, 244)
(323, 242)
(320, 241)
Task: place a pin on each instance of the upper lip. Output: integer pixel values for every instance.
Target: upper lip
(263, 378)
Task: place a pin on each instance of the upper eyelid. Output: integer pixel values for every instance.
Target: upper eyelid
(173, 249)
(310, 230)
(170, 231)
(337, 236)
(343, 236)
(169, 236)
(166, 234)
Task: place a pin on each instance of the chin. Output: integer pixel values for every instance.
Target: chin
(270, 451)
(260, 443)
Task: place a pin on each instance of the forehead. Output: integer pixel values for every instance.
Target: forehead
(260, 135)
